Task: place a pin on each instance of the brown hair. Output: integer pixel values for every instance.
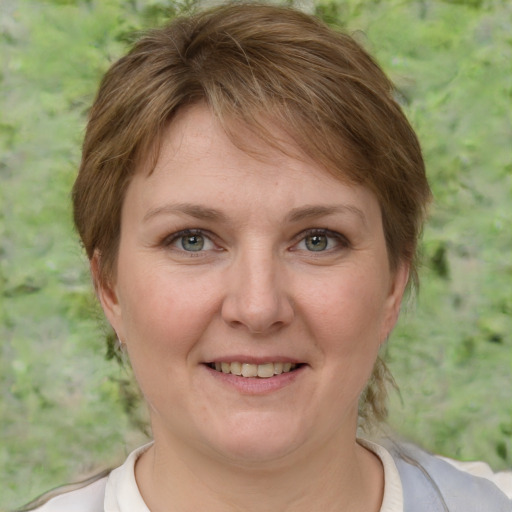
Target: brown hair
(265, 66)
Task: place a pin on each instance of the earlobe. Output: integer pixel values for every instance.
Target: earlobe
(107, 295)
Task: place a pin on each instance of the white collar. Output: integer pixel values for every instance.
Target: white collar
(122, 493)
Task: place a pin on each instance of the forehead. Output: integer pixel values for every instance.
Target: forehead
(195, 127)
(195, 133)
(199, 162)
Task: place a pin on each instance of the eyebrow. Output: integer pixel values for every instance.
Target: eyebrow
(192, 210)
(309, 212)
(295, 215)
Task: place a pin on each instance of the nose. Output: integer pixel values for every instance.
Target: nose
(257, 299)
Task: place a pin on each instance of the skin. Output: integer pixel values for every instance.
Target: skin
(256, 292)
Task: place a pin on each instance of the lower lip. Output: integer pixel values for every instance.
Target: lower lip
(256, 385)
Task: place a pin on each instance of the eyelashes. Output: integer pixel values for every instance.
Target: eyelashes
(190, 240)
(321, 240)
(197, 241)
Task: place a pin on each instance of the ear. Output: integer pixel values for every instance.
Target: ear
(397, 288)
(107, 295)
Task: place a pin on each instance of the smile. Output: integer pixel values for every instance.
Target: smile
(264, 371)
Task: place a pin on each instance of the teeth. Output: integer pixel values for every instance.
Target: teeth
(249, 370)
(263, 371)
(236, 368)
(266, 370)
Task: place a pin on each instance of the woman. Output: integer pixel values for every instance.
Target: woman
(250, 199)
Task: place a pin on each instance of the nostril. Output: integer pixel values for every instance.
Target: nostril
(258, 304)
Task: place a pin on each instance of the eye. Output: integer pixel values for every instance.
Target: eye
(321, 240)
(190, 240)
(316, 242)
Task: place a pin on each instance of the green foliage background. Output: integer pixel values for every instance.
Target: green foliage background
(65, 410)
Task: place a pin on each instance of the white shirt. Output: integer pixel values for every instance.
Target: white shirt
(119, 492)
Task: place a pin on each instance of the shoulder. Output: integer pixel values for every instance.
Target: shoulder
(450, 485)
(502, 479)
(112, 490)
(87, 496)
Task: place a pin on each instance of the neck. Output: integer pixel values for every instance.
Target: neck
(348, 478)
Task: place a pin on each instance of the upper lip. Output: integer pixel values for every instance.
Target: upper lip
(253, 359)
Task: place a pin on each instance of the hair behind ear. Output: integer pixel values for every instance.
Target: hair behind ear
(373, 407)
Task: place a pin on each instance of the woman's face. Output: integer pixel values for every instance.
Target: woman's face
(264, 266)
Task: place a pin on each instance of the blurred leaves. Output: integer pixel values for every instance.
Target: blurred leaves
(61, 401)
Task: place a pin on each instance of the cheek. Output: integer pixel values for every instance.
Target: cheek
(346, 309)
(165, 320)
(165, 311)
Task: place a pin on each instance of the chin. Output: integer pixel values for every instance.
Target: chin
(256, 440)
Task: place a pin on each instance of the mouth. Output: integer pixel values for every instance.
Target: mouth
(250, 370)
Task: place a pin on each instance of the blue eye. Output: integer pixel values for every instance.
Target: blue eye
(316, 242)
(322, 240)
(189, 240)
(192, 243)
